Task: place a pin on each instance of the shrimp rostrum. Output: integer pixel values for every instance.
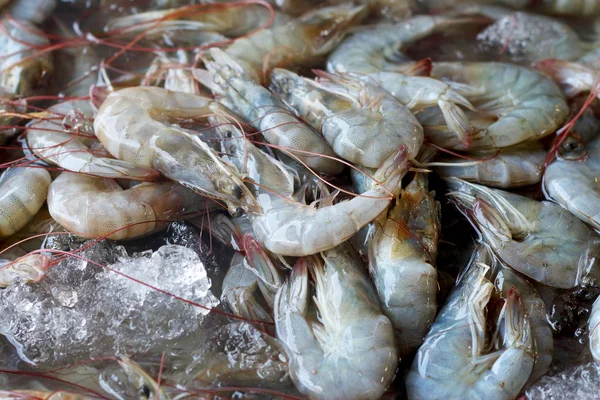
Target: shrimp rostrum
(351, 343)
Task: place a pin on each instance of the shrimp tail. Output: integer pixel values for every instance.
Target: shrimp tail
(422, 67)
(394, 168)
(574, 78)
(455, 117)
(261, 265)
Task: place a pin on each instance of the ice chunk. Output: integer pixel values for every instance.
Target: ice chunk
(578, 382)
(237, 354)
(81, 310)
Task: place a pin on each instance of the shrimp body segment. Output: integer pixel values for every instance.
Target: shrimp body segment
(401, 262)
(362, 123)
(133, 124)
(352, 341)
(23, 192)
(97, 207)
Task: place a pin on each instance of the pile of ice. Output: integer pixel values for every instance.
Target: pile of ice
(81, 310)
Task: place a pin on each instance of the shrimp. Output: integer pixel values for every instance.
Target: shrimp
(538, 239)
(572, 179)
(233, 20)
(23, 192)
(132, 124)
(509, 167)
(62, 138)
(459, 359)
(594, 330)
(293, 229)
(22, 72)
(362, 123)
(300, 42)
(515, 104)
(265, 111)
(349, 352)
(402, 256)
(98, 207)
(379, 49)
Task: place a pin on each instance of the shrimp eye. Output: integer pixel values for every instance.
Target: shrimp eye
(572, 148)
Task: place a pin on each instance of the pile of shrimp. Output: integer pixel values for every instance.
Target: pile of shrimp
(307, 138)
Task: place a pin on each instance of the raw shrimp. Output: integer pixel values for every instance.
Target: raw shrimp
(572, 179)
(514, 105)
(300, 42)
(233, 20)
(349, 352)
(30, 268)
(22, 72)
(509, 167)
(539, 239)
(23, 191)
(459, 360)
(270, 174)
(402, 256)
(265, 111)
(362, 123)
(594, 330)
(294, 229)
(527, 37)
(97, 207)
(62, 139)
(132, 124)
(379, 49)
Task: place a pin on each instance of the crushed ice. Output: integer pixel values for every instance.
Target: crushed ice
(81, 310)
